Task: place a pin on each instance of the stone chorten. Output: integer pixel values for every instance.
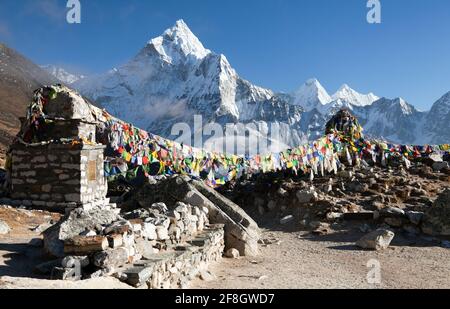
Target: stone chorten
(55, 160)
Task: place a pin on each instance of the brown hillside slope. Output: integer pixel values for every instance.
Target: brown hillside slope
(19, 77)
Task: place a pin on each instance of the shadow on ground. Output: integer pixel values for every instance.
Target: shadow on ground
(347, 233)
(20, 259)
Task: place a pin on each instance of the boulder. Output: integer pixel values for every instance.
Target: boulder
(161, 207)
(415, 217)
(391, 211)
(306, 196)
(241, 231)
(345, 174)
(436, 221)
(376, 240)
(205, 275)
(149, 231)
(77, 222)
(439, 166)
(145, 248)
(4, 228)
(111, 258)
(232, 253)
(357, 186)
(162, 233)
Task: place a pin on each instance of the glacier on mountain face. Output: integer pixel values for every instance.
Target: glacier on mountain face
(174, 77)
(311, 95)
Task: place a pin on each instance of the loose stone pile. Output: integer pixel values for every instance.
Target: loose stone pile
(241, 231)
(413, 199)
(155, 245)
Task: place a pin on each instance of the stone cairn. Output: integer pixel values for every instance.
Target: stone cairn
(57, 164)
(153, 246)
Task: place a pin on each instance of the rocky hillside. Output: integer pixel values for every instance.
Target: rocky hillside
(19, 77)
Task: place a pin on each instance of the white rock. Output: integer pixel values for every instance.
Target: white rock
(393, 211)
(287, 219)
(137, 228)
(232, 253)
(376, 240)
(4, 228)
(206, 276)
(306, 196)
(149, 231)
(89, 233)
(162, 233)
(282, 192)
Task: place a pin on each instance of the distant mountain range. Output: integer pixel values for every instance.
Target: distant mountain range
(61, 74)
(174, 77)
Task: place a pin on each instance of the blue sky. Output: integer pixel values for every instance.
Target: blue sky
(273, 43)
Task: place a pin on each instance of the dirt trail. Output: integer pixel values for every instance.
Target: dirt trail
(332, 261)
(295, 259)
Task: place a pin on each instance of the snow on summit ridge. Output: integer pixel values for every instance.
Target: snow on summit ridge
(174, 77)
(179, 40)
(347, 94)
(311, 94)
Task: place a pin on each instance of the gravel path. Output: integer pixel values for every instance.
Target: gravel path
(293, 260)
(332, 261)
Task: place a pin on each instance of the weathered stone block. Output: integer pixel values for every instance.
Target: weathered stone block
(38, 159)
(46, 188)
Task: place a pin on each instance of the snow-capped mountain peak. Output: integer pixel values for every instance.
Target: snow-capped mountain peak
(62, 74)
(442, 106)
(174, 77)
(179, 42)
(311, 95)
(438, 120)
(405, 107)
(347, 94)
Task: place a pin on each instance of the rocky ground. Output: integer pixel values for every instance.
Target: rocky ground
(332, 232)
(397, 198)
(20, 249)
(144, 247)
(298, 260)
(291, 259)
